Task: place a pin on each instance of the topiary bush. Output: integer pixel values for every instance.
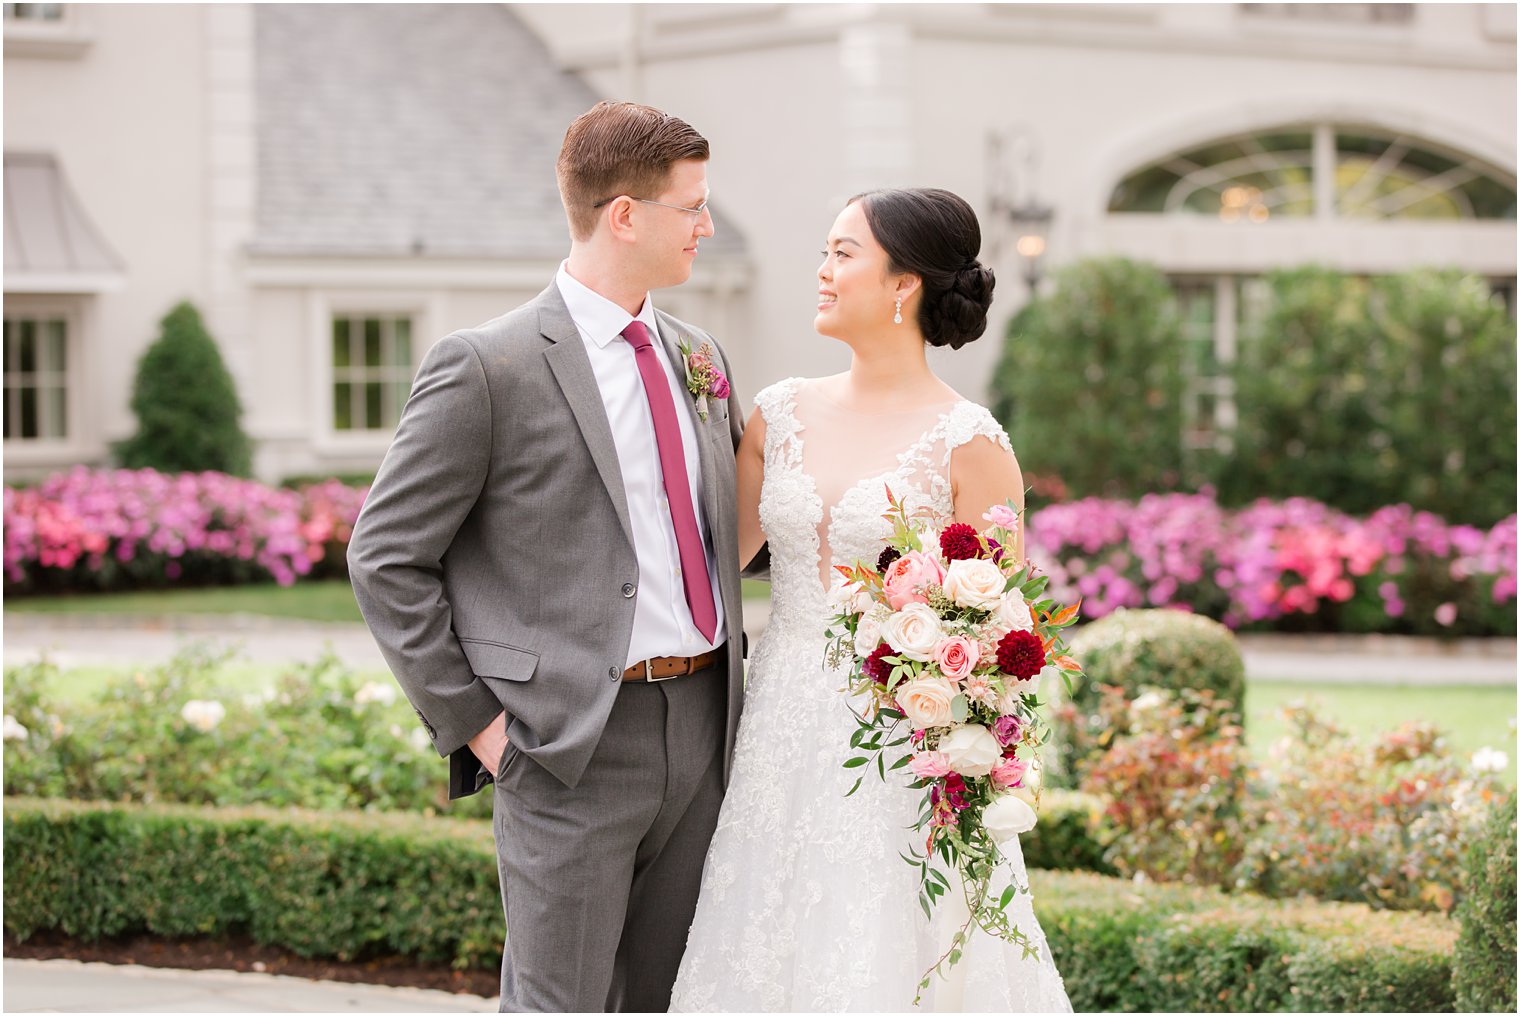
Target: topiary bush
(186, 404)
(1171, 649)
(1090, 381)
(1483, 972)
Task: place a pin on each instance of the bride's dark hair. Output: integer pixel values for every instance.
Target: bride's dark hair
(934, 234)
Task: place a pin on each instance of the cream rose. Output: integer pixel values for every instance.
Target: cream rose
(971, 749)
(974, 582)
(913, 631)
(847, 597)
(926, 702)
(1012, 612)
(868, 631)
(1008, 816)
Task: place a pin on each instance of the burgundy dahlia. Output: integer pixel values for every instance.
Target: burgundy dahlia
(887, 557)
(959, 542)
(1021, 653)
(876, 667)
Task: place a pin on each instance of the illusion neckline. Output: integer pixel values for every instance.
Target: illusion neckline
(939, 408)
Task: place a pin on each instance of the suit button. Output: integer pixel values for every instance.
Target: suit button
(628, 589)
(614, 673)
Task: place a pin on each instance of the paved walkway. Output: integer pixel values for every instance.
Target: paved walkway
(71, 986)
(99, 640)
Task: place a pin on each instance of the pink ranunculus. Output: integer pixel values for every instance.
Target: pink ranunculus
(957, 657)
(908, 575)
(1007, 729)
(719, 388)
(1009, 773)
(929, 765)
(1003, 517)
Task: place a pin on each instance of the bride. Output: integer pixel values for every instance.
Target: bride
(806, 904)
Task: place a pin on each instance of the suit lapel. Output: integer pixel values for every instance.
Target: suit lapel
(572, 369)
(668, 339)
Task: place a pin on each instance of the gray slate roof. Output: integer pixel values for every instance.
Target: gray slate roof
(403, 129)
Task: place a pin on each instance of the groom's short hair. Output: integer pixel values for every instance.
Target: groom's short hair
(620, 148)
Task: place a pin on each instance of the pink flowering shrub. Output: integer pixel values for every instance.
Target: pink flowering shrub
(1293, 565)
(88, 529)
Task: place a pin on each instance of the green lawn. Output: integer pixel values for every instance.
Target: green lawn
(1473, 716)
(328, 600)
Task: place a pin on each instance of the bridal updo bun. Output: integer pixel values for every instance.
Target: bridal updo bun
(934, 234)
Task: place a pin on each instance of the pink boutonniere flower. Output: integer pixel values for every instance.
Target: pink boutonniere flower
(704, 379)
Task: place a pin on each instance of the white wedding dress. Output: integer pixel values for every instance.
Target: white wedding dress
(806, 904)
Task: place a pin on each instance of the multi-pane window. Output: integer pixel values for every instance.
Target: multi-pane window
(1217, 313)
(372, 370)
(34, 12)
(36, 378)
(1323, 172)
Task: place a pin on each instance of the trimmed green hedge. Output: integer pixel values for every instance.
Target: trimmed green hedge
(1484, 971)
(354, 885)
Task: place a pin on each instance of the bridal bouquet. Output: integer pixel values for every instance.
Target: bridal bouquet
(945, 637)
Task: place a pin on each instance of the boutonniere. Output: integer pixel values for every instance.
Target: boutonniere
(704, 380)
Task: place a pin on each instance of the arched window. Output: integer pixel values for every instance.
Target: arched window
(1326, 171)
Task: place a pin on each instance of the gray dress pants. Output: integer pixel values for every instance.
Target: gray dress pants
(599, 883)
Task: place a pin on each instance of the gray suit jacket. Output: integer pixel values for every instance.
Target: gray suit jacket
(493, 559)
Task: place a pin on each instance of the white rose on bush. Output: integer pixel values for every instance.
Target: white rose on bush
(971, 749)
(914, 632)
(375, 691)
(1008, 816)
(14, 731)
(203, 714)
(974, 583)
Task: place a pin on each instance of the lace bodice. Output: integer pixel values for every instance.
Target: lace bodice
(827, 471)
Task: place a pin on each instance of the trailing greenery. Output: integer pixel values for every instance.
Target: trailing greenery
(354, 886)
(1483, 972)
(188, 413)
(1090, 381)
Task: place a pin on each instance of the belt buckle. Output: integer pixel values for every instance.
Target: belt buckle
(649, 677)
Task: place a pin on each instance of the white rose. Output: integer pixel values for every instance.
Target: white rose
(914, 631)
(375, 691)
(868, 631)
(1150, 700)
(1008, 816)
(14, 731)
(971, 749)
(1484, 760)
(1012, 612)
(974, 583)
(847, 597)
(203, 714)
(926, 701)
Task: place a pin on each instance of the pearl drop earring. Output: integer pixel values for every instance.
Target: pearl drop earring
(897, 316)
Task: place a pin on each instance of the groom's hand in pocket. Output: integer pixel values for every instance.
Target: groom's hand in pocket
(491, 743)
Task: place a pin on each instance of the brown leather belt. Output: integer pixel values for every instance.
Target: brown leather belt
(663, 668)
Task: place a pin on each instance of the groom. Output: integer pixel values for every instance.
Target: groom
(548, 561)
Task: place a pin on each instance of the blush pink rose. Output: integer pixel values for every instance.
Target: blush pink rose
(906, 577)
(929, 765)
(957, 657)
(1009, 773)
(1003, 517)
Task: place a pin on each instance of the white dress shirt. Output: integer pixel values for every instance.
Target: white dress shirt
(662, 624)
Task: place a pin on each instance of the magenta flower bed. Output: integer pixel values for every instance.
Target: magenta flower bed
(122, 528)
(1291, 565)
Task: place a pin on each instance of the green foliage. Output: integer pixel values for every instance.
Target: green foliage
(1090, 381)
(318, 739)
(186, 404)
(1068, 835)
(347, 886)
(1133, 650)
(1369, 393)
(1483, 972)
(354, 886)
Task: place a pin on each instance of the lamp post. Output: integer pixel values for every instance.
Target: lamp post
(1012, 156)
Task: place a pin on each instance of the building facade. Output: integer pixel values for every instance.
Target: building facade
(337, 187)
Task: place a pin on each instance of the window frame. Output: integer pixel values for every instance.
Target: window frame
(68, 37)
(326, 308)
(71, 444)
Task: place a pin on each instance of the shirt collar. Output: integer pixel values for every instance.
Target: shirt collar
(598, 318)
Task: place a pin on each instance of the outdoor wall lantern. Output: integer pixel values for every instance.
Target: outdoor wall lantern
(1012, 155)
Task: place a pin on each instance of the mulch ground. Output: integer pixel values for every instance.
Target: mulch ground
(246, 956)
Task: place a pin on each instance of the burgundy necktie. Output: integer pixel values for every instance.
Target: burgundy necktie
(667, 434)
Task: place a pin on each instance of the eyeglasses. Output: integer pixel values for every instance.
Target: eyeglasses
(695, 213)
